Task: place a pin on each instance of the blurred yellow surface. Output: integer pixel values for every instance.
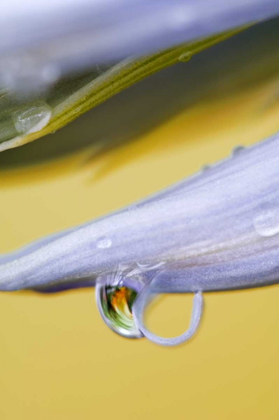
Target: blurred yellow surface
(60, 361)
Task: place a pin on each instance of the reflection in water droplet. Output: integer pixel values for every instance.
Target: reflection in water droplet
(104, 243)
(186, 56)
(266, 222)
(30, 120)
(115, 305)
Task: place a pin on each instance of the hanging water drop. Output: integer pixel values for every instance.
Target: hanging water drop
(115, 305)
(104, 243)
(32, 119)
(266, 222)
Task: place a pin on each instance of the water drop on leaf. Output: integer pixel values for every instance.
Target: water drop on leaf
(32, 119)
(186, 56)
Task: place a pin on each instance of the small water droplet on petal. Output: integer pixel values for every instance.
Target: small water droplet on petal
(266, 222)
(132, 207)
(32, 119)
(237, 150)
(205, 168)
(104, 243)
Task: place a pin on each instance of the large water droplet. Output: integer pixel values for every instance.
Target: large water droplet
(32, 119)
(266, 222)
(104, 243)
(115, 305)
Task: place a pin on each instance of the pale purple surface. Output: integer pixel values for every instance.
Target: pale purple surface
(61, 35)
(203, 232)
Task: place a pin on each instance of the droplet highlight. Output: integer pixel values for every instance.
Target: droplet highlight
(266, 222)
(104, 243)
(115, 305)
(32, 119)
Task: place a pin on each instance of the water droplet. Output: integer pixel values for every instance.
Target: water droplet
(186, 56)
(32, 119)
(132, 207)
(104, 243)
(237, 150)
(205, 168)
(266, 222)
(115, 305)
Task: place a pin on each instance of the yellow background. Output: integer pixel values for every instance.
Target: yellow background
(60, 361)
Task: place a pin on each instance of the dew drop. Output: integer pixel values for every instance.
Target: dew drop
(115, 305)
(32, 119)
(104, 242)
(205, 168)
(133, 207)
(186, 56)
(237, 150)
(266, 222)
